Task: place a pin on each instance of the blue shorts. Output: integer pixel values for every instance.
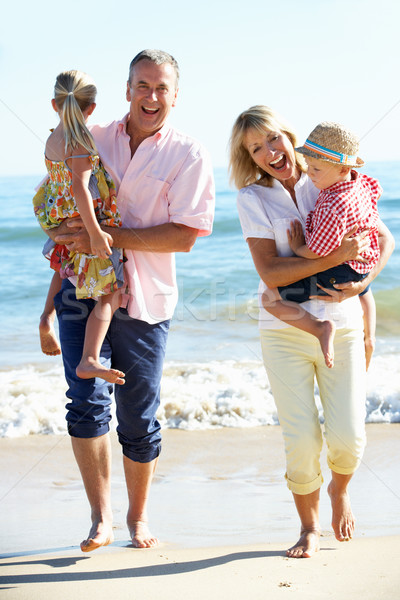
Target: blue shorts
(301, 290)
(135, 347)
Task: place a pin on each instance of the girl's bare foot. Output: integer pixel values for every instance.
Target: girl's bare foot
(141, 536)
(307, 545)
(326, 337)
(89, 368)
(48, 339)
(100, 534)
(343, 521)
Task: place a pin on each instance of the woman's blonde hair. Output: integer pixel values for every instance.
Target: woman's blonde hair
(243, 170)
(74, 92)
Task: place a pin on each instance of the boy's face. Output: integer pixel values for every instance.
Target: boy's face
(324, 174)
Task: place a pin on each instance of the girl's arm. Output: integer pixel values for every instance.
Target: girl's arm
(277, 270)
(81, 168)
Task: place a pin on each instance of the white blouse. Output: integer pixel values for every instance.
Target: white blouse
(266, 212)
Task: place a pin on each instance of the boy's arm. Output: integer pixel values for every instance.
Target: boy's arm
(305, 252)
(277, 270)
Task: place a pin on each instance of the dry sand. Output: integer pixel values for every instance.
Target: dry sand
(221, 508)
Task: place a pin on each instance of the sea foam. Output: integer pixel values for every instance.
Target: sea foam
(193, 396)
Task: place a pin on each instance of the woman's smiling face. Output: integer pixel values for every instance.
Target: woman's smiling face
(273, 152)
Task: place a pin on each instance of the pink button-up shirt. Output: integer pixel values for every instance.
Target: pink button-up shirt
(169, 179)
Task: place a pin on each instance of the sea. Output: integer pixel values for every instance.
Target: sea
(213, 375)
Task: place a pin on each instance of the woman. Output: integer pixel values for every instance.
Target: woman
(275, 192)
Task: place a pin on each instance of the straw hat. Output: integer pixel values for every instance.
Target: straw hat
(332, 143)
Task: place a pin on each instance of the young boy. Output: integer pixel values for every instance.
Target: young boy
(346, 199)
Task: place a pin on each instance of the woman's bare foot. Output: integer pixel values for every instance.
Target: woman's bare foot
(343, 521)
(100, 534)
(307, 545)
(141, 536)
(89, 368)
(326, 337)
(48, 339)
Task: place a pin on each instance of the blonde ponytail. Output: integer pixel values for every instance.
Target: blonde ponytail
(74, 92)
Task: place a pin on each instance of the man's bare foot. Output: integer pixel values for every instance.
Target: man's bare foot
(326, 337)
(89, 368)
(48, 339)
(100, 534)
(343, 521)
(141, 536)
(369, 345)
(307, 545)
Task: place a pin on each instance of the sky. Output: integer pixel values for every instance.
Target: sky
(310, 60)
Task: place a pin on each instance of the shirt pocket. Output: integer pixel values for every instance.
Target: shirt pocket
(156, 191)
(148, 203)
(280, 227)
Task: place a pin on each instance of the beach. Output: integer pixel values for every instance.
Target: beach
(219, 503)
(223, 514)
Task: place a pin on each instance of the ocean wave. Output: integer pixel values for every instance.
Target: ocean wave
(194, 396)
(388, 311)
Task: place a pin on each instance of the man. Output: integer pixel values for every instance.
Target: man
(165, 194)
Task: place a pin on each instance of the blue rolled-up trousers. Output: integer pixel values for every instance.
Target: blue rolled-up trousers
(135, 347)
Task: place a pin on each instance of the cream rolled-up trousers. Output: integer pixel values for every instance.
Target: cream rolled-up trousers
(293, 360)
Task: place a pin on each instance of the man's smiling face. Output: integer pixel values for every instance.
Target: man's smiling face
(152, 93)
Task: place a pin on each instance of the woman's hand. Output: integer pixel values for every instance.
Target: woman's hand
(352, 246)
(342, 291)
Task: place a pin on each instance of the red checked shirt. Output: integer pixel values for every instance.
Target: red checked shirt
(337, 210)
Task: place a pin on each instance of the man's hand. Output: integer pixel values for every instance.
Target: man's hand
(73, 234)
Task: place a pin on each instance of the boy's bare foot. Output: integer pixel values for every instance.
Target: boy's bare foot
(141, 536)
(326, 337)
(89, 368)
(48, 340)
(307, 545)
(369, 345)
(100, 534)
(343, 521)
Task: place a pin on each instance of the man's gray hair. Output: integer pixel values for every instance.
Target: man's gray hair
(158, 57)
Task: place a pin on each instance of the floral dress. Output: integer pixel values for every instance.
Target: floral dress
(55, 202)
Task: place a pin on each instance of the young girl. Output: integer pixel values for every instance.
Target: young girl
(346, 199)
(78, 185)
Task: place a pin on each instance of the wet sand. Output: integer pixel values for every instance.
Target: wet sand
(221, 508)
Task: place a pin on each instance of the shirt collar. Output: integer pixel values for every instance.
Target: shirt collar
(157, 137)
(335, 186)
(121, 125)
(302, 181)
